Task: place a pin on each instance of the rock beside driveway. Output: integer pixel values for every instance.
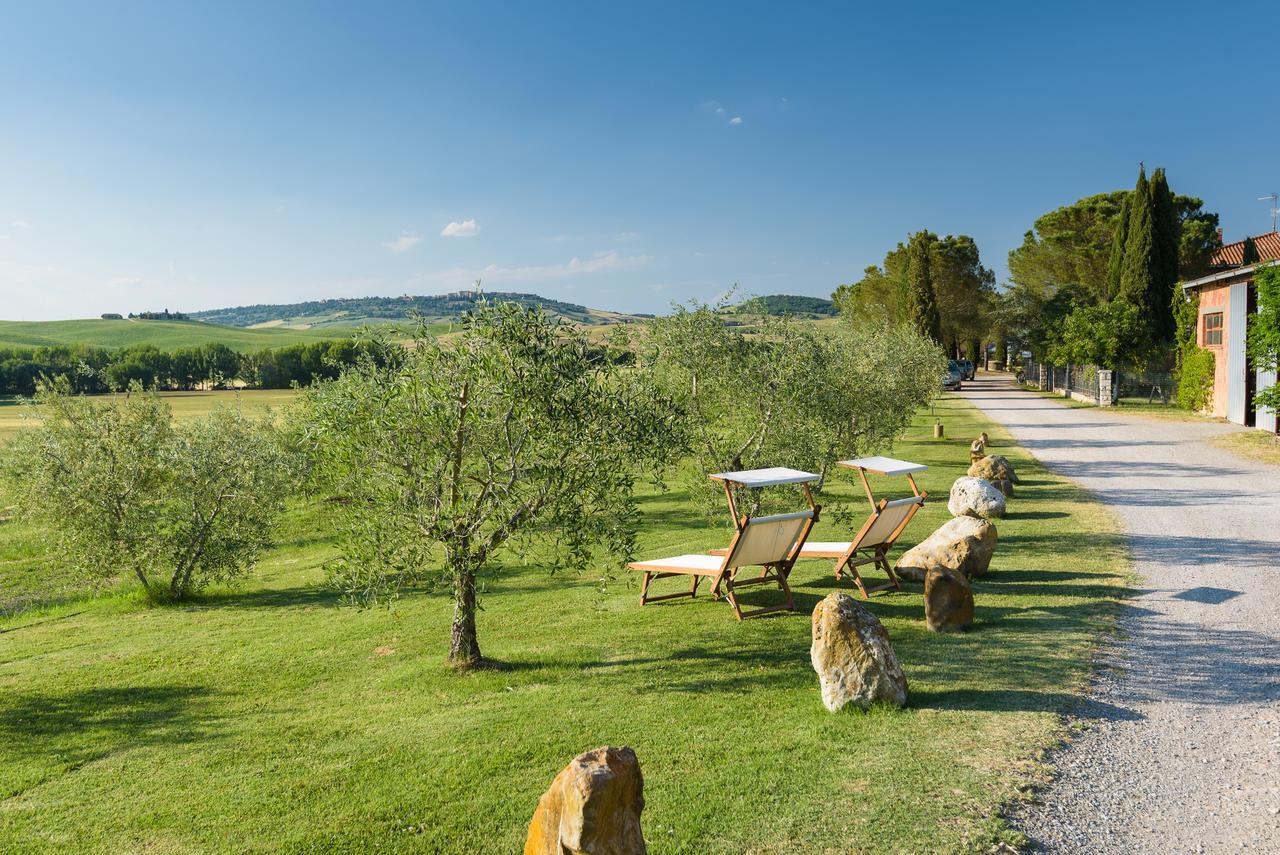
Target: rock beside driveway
(963, 544)
(948, 600)
(993, 467)
(593, 806)
(975, 497)
(851, 652)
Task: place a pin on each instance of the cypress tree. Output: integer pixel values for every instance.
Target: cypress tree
(1250, 252)
(1164, 259)
(1115, 267)
(922, 303)
(1135, 272)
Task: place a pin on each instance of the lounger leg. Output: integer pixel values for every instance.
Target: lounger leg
(644, 588)
(693, 587)
(888, 571)
(733, 601)
(782, 583)
(862, 586)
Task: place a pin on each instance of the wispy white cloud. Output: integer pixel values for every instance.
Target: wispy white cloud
(123, 282)
(721, 112)
(404, 243)
(466, 228)
(20, 224)
(627, 236)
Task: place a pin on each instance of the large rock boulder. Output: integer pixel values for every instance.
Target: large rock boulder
(592, 808)
(948, 600)
(964, 544)
(993, 467)
(975, 497)
(851, 652)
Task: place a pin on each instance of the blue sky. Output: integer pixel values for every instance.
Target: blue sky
(618, 155)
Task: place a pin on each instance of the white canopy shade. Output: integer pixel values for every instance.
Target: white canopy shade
(770, 477)
(884, 465)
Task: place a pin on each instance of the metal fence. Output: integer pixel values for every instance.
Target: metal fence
(1146, 387)
(1081, 381)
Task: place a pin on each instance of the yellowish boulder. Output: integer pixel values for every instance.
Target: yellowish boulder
(851, 652)
(592, 808)
(993, 468)
(948, 600)
(964, 544)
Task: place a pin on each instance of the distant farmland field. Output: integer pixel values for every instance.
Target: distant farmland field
(185, 405)
(165, 335)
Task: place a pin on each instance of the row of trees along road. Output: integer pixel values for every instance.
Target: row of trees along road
(439, 457)
(937, 285)
(1095, 281)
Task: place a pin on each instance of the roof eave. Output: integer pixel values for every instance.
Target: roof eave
(1226, 274)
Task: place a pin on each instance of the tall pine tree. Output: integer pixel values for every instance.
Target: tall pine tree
(922, 304)
(1164, 260)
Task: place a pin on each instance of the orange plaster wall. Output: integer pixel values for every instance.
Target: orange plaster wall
(1214, 299)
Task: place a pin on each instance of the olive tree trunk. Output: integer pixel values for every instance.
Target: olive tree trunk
(464, 646)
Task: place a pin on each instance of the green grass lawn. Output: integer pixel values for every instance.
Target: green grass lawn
(1254, 444)
(165, 335)
(270, 719)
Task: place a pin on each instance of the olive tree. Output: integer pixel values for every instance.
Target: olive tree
(128, 492)
(790, 393)
(514, 430)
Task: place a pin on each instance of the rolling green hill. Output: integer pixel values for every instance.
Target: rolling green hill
(165, 335)
(357, 311)
(788, 304)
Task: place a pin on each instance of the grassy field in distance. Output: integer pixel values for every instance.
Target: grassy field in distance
(166, 335)
(269, 718)
(184, 404)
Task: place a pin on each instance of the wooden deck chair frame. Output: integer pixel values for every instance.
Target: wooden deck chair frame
(871, 544)
(772, 543)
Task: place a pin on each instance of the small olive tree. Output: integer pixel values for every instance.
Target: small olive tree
(126, 491)
(516, 429)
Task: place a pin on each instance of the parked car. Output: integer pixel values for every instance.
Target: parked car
(952, 377)
(967, 369)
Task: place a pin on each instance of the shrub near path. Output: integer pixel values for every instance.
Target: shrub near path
(266, 720)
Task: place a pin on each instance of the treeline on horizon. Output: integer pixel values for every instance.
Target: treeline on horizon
(92, 370)
(387, 308)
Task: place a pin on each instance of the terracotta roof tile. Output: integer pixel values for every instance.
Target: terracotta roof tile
(1232, 254)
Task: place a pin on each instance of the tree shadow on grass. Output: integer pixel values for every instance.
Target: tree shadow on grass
(267, 598)
(80, 726)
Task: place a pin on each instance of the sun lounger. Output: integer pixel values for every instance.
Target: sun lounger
(872, 543)
(770, 542)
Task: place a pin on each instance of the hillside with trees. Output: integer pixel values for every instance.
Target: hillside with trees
(789, 304)
(358, 311)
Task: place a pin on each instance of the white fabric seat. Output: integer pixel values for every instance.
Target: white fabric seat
(708, 565)
(824, 548)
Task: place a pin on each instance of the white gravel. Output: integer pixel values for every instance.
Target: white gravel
(1182, 750)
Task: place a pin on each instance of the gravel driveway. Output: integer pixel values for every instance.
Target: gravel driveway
(1184, 750)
